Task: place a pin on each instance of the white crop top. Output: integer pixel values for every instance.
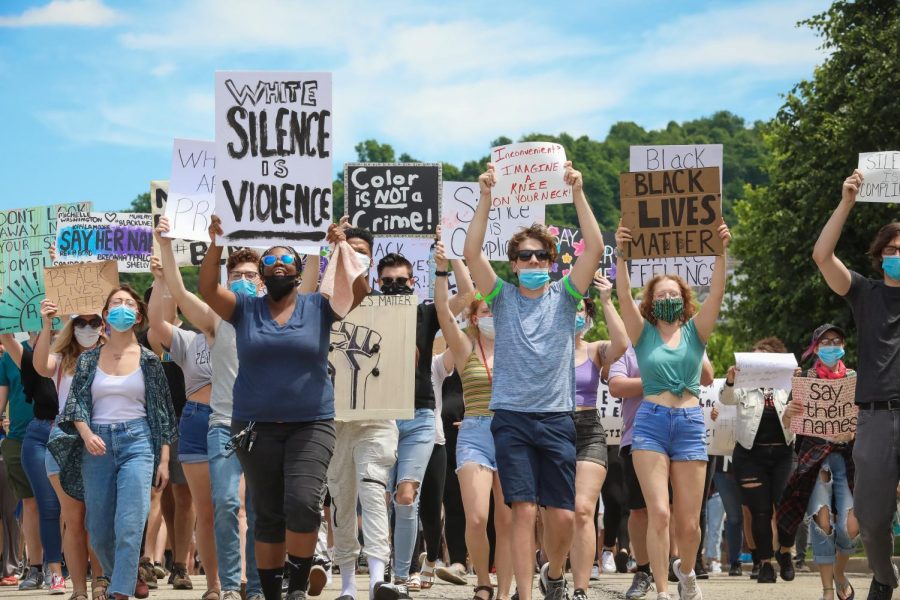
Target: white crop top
(118, 398)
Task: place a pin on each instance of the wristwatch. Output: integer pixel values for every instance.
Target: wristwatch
(442, 273)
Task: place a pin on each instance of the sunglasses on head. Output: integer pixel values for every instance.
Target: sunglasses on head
(270, 259)
(392, 280)
(93, 322)
(527, 254)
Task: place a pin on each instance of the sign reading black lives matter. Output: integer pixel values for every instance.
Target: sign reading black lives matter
(394, 198)
(372, 359)
(672, 213)
(273, 157)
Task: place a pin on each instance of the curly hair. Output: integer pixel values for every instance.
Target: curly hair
(244, 255)
(537, 231)
(884, 237)
(687, 295)
(770, 344)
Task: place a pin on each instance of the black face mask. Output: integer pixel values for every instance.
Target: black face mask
(279, 286)
(395, 289)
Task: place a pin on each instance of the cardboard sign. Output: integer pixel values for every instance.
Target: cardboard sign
(696, 270)
(881, 176)
(672, 213)
(26, 235)
(416, 250)
(569, 247)
(722, 434)
(81, 288)
(829, 409)
(530, 173)
(372, 360)
(458, 206)
(273, 157)
(192, 189)
(123, 237)
(764, 370)
(402, 199)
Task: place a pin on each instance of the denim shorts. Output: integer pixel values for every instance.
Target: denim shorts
(536, 457)
(475, 443)
(590, 438)
(679, 433)
(192, 431)
(50, 464)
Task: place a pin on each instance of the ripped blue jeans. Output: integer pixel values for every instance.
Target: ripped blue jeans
(832, 490)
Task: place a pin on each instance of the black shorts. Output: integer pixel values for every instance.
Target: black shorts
(590, 438)
(632, 485)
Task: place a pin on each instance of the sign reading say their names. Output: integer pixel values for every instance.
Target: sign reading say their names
(402, 199)
(192, 189)
(881, 177)
(123, 237)
(672, 213)
(530, 173)
(764, 370)
(273, 157)
(458, 204)
(372, 359)
(81, 288)
(829, 409)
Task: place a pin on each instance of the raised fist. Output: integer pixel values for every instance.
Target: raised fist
(359, 349)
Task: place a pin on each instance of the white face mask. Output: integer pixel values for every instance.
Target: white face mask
(486, 326)
(364, 261)
(87, 336)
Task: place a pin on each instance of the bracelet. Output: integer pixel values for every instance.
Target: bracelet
(442, 273)
(618, 252)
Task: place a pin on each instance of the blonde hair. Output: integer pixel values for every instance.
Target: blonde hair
(68, 347)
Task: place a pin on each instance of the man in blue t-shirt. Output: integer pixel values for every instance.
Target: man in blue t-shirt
(533, 392)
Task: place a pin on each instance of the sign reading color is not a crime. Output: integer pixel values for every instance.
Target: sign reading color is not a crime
(672, 213)
(273, 157)
(402, 199)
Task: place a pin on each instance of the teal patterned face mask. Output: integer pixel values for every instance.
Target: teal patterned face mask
(668, 309)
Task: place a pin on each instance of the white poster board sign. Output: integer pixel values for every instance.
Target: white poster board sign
(530, 173)
(696, 270)
(764, 370)
(722, 436)
(881, 176)
(192, 189)
(416, 250)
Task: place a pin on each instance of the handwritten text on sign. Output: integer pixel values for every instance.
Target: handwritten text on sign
(672, 213)
(695, 270)
(416, 250)
(764, 370)
(666, 158)
(123, 237)
(828, 407)
(881, 177)
(273, 155)
(192, 189)
(569, 246)
(458, 206)
(81, 288)
(393, 199)
(530, 173)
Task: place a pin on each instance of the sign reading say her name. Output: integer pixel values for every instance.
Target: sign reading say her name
(829, 409)
(372, 359)
(192, 189)
(530, 173)
(672, 213)
(81, 288)
(123, 237)
(458, 206)
(569, 247)
(416, 250)
(881, 177)
(26, 235)
(273, 155)
(401, 199)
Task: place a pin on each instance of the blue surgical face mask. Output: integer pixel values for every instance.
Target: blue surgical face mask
(580, 323)
(891, 266)
(242, 286)
(122, 318)
(830, 355)
(533, 278)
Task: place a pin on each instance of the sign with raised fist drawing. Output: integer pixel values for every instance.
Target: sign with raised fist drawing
(372, 359)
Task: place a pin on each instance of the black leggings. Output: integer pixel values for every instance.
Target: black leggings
(769, 467)
(615, 502)
(454, 516)
(707, 486)
(285, 474)
(430, 501)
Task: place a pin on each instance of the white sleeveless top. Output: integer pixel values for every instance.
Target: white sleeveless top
(118, 398)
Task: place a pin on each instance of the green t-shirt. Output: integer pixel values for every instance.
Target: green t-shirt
(20, 411)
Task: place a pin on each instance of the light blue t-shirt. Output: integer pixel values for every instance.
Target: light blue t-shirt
(534, 350)
(665, 369)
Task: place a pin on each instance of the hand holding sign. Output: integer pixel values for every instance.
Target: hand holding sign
(827, 408)
(850, 189)
(573, 177)
(881, 174)
(604, 286)
(488, 179)
(215, 229)
(48, 310)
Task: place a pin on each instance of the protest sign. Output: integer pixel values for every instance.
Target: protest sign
(881, 176)
(192, 189)
(722, 435)
(569, 247)
(695, 270)
(828, 406)
(123, 237)
(273, 151)
(402, 199)
(81, 288)
(672, 213)
(372, 359)
(415, 250)
(26, 235)
(530, 173)
(666, 158)
(458, 204)
(764, 370)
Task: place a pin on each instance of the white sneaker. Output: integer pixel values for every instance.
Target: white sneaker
(715, 567)
(687, 584)
(595, 573)
(607, 562)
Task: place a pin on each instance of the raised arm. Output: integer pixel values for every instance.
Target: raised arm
(195, 310)
(360, 286)
(631, 316)
(482, 271)
(458, 343)
(221, 300)
(836, 274)
(44, 362)
(465, 291)
(618, 337)
(161, 310)
(586, 264)
(705, 319)
(12, 347)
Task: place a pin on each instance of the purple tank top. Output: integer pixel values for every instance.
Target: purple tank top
(587, 380)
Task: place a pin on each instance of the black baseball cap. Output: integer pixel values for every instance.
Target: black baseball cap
(822, 329)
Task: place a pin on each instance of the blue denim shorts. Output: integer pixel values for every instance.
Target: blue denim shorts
(679, 433)
(50, 464)
(192, 431)
(475, 443)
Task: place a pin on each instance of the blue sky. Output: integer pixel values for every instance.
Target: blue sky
(94, 91)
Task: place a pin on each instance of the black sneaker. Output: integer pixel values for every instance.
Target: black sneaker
(391, 591)
(736, 570)
(700, 570)
(880, 591)
(621, 560)
(754, 572)
(766, 573)
(785, 565)
(579, 594)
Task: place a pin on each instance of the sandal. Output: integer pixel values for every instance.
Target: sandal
(414, 583)
(484, 588)
(99, 587)
(427, 575)
(842, 589)
(78, 596)
(211, 595)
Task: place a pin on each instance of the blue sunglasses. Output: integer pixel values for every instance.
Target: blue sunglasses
(270, 259)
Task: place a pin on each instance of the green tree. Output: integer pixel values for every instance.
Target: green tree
(849, 106)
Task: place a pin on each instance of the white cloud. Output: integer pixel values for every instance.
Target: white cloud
(163, 70)
(74, 13)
